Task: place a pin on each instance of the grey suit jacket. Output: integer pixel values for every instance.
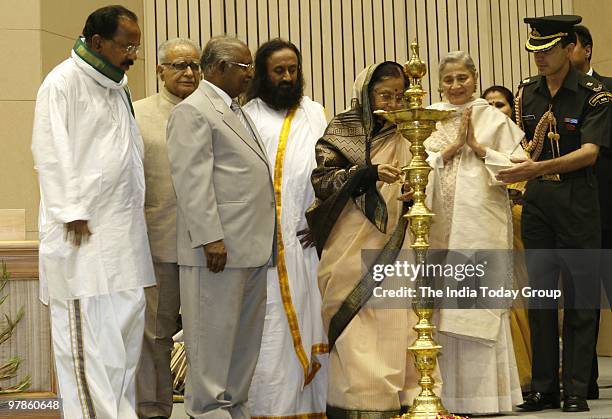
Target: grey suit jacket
(222, 181)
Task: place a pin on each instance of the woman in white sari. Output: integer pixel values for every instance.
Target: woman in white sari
(473, 212)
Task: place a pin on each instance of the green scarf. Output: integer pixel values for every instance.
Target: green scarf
(102, 65)
(97, 61)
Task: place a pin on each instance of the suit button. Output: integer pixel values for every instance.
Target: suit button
(272, 204)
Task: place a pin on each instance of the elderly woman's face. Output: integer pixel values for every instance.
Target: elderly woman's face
(387, 94)
(458, 83)
(498, 100)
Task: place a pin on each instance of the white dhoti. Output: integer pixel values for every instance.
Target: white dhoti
(97, 342)
(88, 154)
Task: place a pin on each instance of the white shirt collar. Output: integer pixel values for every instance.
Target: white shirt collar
(221, 93)
(590, 72)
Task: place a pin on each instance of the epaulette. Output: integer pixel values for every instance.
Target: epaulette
(601, 95)
(592, 84)
(529, 80)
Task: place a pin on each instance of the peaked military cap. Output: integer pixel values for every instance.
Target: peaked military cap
(547, 31)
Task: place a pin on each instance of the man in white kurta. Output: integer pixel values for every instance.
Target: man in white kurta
(94, 253)
(291, 375)
(179, 73)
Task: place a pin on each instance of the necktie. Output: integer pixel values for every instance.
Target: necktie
(235, 107)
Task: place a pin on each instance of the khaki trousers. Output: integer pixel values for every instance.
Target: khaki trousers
(154, 378)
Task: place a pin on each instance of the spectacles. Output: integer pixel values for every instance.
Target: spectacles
(183, 65)
(389, 97)
(244, 66)
(128, 49)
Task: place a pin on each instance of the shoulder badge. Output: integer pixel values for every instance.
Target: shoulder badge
(600, 98)
(591, 83)
(529, 80)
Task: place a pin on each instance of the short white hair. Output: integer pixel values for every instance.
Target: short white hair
(460, 57)
(162, 50)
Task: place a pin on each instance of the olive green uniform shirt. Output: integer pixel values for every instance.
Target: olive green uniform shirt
(581, 107)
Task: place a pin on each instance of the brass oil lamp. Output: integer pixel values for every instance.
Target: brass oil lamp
(416, 124)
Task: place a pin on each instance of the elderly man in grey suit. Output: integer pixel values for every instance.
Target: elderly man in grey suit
(225, 232)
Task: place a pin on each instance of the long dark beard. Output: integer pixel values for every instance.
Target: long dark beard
(282, 97)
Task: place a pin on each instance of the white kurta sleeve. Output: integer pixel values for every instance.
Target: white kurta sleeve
(316, 119)
(55, 155)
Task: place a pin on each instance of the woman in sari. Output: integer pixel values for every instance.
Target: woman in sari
(473, 213)
(360, 201)
(502, 99)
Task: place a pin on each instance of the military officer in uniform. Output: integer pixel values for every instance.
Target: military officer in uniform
(566, 116)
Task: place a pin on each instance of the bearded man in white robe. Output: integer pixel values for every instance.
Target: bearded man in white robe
(291, 374)
(94, 253)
